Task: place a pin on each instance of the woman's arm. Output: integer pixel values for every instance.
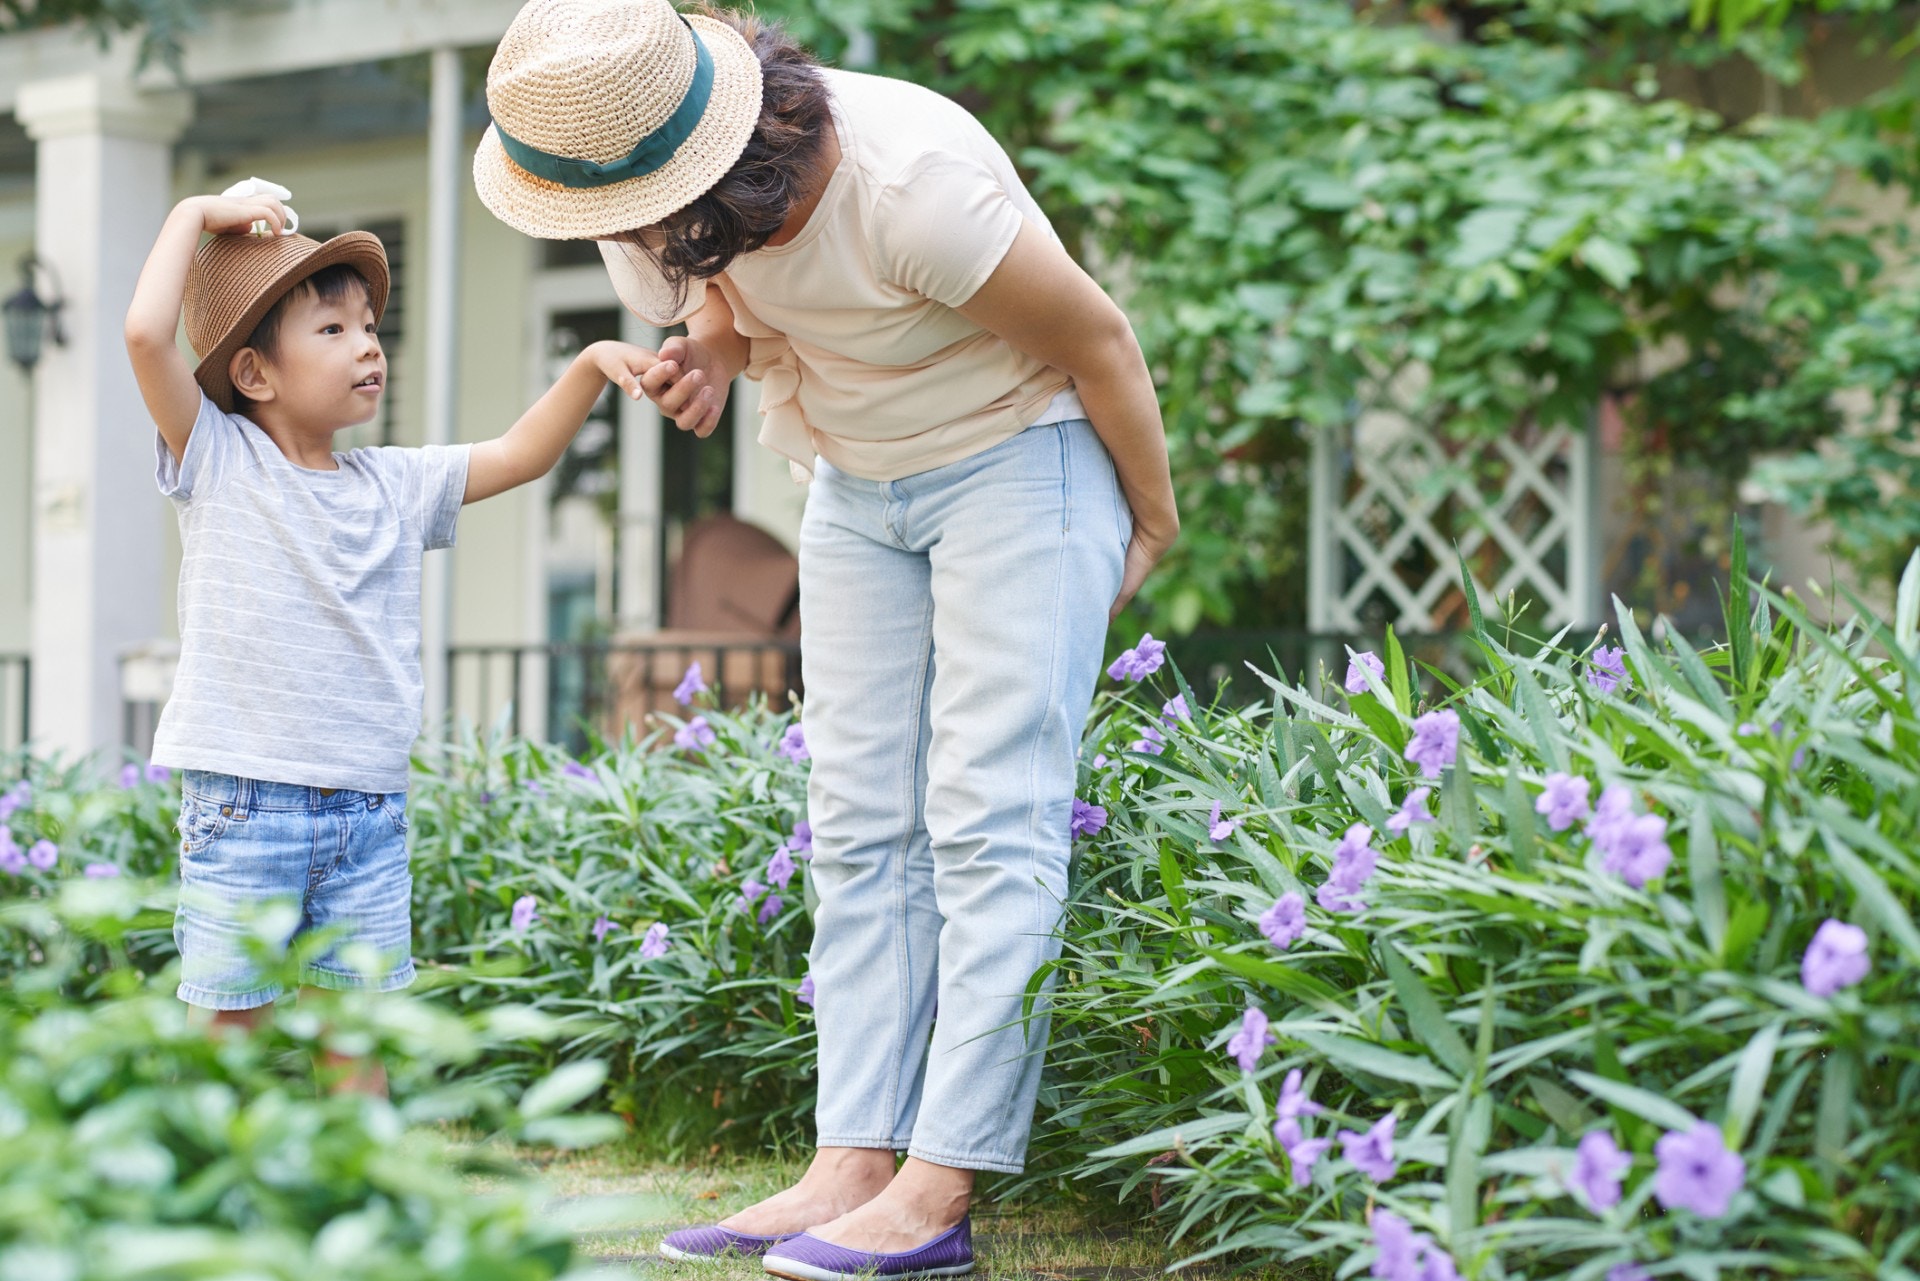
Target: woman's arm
(1043, 304)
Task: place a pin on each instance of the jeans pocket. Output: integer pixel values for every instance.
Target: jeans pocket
(396, 812)
(201, 823)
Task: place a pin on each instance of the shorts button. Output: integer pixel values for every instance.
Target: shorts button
(226, 811)
(328, 791)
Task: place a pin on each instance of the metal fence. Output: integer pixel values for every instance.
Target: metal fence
(564, 692)
(16, 704)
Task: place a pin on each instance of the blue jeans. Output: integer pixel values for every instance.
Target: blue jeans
(952, 630)
(340, 855)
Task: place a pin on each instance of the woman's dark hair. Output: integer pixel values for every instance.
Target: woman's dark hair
(740, 213)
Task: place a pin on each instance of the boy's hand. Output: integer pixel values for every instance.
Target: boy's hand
(689, 384)
(224, 216)
(621, 364)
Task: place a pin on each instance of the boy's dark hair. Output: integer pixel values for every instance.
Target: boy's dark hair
(740, 213)
(329, 284)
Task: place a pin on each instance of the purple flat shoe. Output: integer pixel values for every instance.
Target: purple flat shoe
(697, 1245)
(808, 1258)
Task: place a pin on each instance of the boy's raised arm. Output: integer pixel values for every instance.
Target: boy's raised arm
(531, 447)
(165, 377)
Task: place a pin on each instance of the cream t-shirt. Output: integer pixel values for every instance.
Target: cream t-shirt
(862, 357)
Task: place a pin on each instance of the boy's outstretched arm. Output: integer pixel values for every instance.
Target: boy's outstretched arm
(166, 380)
(531, 447)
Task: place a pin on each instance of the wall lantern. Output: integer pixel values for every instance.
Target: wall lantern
(30, 318)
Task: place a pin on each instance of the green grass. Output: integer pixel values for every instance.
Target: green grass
(627, 1200)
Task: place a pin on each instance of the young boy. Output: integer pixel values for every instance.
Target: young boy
(299, 695)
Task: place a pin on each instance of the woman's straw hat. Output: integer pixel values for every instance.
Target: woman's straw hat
(235, 280)
(611, 114)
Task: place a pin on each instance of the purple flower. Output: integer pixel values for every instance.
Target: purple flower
(1246, 1045)
(602, 928)
(1357, 668)
(523, 915)
(43, 855)
(100, 871)
(1436, 1264)
(1219, 829)
(1301, 1151)
(1696, 1171)
(14, 799)
(793, 745)
(694, 735)
(1100, 760)
(1628, 1272)
(1564, 802)
(1175, 710)
(1615, 808)
(690, 686)
(574, 769)
(1396, 1248)
(1608, 670)
(1836, 958)
(1151, 742)
(1598, 1165)
(129, 775)
(1088, 819)
(804, 994)
(1294, 1101)
(654, 945)
(1372, 1153)
(771, 908)
(13, 860)
(750, 892)
(1436, 742)
(1353, 862)
(1636, 850)
(781, 867)
(1140, 662)
(801, 842)
(1412, 810)
(1285, 921)
(157, 773)
(535, 786)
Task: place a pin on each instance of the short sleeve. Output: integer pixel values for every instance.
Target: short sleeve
(643, 291)
(216, 449)
(943, 227)
(430, 483)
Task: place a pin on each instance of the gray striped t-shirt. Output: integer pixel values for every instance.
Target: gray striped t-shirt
(300, 605)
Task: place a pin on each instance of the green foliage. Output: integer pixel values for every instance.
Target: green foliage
(134, 1142)
(1502, 994)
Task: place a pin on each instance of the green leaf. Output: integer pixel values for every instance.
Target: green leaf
(1612, 261)
(1468, 1130)
(1376, 1061)
(1832, 1120)
(1631, 1098)
(1397, 678)
(1703, 868)
(1562, 1108)
(1522, 837)
(1281, 978)
(1871, 893)
(1750, 1083)
(1424, 1015)
(1174, 882)
(1740, 611)
(566, 1086)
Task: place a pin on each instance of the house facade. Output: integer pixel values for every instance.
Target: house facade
(369, 111)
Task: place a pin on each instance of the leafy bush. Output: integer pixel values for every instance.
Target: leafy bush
(134, 1143)
(1519, 979)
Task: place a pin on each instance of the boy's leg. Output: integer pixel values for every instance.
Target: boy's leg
(235, 863)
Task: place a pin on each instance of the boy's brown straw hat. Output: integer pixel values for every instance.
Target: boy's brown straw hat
(235, 280)
(611, 114)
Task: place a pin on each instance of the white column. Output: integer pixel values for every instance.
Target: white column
(446, 176)
(102, 187)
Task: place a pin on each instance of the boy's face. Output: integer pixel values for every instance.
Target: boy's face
(328, 369)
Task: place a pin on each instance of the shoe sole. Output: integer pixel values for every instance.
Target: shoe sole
(794, 1271)
(682, 1256)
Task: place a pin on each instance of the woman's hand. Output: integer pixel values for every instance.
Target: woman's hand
(1144, 551)
(690, 385)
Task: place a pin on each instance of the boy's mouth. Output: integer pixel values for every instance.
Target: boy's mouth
(372, 382)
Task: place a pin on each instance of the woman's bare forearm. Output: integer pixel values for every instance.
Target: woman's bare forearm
(1117, 390)
(712, 327)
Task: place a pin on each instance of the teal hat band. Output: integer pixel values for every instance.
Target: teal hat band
(653, 151)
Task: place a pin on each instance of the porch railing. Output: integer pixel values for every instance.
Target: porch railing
(560, 691)
(16, 705)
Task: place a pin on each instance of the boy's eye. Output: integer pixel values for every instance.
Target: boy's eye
(333, 329)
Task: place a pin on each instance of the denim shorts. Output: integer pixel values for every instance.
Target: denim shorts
(339, 855)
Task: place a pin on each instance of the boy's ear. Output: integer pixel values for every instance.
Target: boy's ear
(247, 371)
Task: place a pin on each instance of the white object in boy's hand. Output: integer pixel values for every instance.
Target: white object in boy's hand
(261, 187)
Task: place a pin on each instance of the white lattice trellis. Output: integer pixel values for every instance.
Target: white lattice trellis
(1391, 501)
